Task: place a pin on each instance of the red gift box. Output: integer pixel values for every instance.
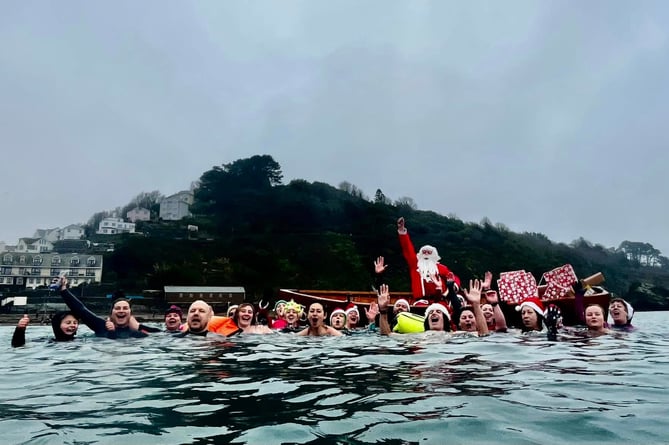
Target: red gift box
(563, 276)
(515, 286)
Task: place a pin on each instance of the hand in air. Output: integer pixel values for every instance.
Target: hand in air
(400, 225)
(23, 322)
(384, 297)
(487, 280)
(553, 317)
(436, 279)
(379, 266)
(372, 312)
(473, 295)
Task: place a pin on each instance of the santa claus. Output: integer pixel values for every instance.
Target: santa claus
(429, 278)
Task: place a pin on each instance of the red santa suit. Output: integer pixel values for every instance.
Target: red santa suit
(424, 287)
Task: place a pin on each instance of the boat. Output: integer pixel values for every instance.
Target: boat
(333, 299)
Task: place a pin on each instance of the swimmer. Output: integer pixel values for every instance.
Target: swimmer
(316, 317)
(64, 325)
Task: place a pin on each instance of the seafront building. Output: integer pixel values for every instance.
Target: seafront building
(114, 226)
(32, 270)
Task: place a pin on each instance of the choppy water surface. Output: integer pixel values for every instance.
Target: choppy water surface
(357, 389)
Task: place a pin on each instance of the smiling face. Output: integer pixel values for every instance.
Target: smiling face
(244, 317)
(316, 315)
(199, 314)
(172, 321)
(352, 318)
(594, 317)
(467, 321)
(488, 312)
(400, 306)
(120, 314)
(435, 320)
(618, 311)
(281, 310)
(69, 325)
(292, 315)
(530, 318)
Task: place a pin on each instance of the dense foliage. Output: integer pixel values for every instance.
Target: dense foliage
(256, 232)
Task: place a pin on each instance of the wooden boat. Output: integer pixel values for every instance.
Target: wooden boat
(333, 299)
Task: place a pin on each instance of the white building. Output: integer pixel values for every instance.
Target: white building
(138, 214)
(114, 226)
(34, 245)
(32, 270)
(51, 235)
(176, 207)
(73, 231)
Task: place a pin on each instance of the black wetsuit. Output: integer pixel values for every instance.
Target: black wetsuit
(95, 323)
(19, 337)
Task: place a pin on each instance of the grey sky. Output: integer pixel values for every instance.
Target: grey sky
(545, 116)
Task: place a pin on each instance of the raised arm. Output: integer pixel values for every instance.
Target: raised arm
(408, 249)
(384, 303)
(19, 337)
(80, 311)
(500, 321)
(474, 298)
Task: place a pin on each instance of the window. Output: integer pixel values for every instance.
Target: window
(5, 270)
(19, 281)
(35, 271)
(7, 259)
(91, 261)
(74, 261)
(55, 272)
(90, 272)
(37, 260)
(55, 261)
(22, 259)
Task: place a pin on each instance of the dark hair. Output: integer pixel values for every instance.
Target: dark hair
(56, 319)
(540, 324)
(447, 322)
(235, 317)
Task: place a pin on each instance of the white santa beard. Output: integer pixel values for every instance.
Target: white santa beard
(426, 268)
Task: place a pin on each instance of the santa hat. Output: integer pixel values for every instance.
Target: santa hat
(534, 303)
(628, 307)
(438, 307)
(421, 303)
(401, 300)
(352, 308)
(337, 311)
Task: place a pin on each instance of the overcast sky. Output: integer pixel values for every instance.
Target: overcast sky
(547, 117)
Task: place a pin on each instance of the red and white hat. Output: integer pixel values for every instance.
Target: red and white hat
(534, 303)
(337, 311)
(438, 307)
(401, 300)
(352, 308)
(421, 303)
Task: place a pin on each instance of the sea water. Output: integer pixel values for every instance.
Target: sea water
(364, 388)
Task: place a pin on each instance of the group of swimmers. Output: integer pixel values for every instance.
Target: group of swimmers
(477, 314)
(436, 290)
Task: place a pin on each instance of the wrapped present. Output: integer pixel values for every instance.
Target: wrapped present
(555, 291)
(563, 276)
(516, 285)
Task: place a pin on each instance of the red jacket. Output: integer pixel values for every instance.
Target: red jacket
(419, 287)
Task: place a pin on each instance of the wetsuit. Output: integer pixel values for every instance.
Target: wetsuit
(95, 323)
(19, 337)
